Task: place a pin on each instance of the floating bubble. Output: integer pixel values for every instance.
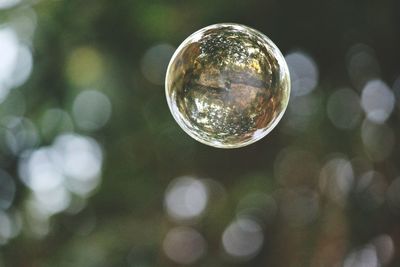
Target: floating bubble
(227, 85)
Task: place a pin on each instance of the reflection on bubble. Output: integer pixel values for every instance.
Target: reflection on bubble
(155, 62)
(7, 190)
(227, 85)
(243, 239)
(91, 110)
(336, 179)
(303, 73)
(378, 140)
(344, 109)
(299, 206)
(186, 198)
(377, 101)
(362, 65)
(184, 245)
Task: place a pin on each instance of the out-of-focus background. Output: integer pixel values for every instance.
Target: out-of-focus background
(95, 172)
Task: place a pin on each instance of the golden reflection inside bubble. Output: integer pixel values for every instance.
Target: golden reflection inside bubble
(227, 85)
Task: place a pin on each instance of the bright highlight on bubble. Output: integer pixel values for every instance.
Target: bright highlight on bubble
(227, 85)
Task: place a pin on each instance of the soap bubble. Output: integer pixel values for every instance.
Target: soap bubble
(227, 85)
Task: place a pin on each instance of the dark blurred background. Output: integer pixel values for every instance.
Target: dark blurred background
(95, 172)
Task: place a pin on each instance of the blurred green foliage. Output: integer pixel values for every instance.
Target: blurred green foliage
(100, 46)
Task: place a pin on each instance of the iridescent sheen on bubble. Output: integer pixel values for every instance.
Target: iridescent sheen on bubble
(227, 85)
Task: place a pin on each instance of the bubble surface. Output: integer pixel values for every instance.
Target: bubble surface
(227, 85)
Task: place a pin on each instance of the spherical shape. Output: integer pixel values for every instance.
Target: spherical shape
(227, 85)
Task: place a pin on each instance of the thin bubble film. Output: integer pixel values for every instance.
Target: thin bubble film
(227, 85)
